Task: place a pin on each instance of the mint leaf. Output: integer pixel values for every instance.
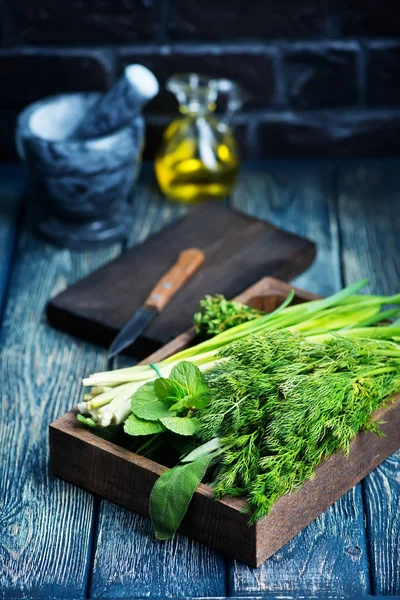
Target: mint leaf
(181, 425)
(168, 391)
(185, 402)
(135, 426)
(171, 496)
(146, 405)
(188, 376)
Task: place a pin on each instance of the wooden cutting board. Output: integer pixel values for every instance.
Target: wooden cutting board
(239, 251)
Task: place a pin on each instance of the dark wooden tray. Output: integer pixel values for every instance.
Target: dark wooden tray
(78, 456)
(239, 251)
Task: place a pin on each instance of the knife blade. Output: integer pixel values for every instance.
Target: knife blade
(189, 261)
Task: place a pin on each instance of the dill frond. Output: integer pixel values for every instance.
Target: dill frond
(282, 404)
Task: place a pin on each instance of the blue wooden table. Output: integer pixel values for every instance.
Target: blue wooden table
(57, 541)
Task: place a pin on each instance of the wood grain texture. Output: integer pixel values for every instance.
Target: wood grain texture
(369, 211)
(152, 211)
(267, 294)
(297, 196)
(123, 477)
(12, 186)
(300, 197)
(128, 562)
(32, 555)
(45, 524)
(239, 251)
(268, 596)
(188, 263)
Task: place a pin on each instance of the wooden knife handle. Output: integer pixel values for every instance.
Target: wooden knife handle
(188, 263)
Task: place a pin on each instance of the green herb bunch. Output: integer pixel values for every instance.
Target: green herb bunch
(169, 403)
(218, 314)
(108, 402)
(281, 404)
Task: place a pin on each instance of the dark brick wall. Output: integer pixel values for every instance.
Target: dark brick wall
(323, 75)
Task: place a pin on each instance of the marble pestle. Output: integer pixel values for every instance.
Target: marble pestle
(117, 107)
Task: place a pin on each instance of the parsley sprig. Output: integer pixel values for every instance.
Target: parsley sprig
(218, 314)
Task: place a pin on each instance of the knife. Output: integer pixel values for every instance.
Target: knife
(188, 263)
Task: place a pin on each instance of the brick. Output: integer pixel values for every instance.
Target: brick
(330, 133)
(6, 33)
(383, 68)
(321, 76)
(379, 18)
(2, 21)
(233, 19)
(29, 74)
(82, 21)
(252, 68)
(240, 130)
(7, 135)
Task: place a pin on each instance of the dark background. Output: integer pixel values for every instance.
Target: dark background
(323, 74)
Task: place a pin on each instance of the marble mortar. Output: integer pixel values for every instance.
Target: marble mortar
(81, 187)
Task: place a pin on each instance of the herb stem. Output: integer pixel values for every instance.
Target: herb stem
(345, 314)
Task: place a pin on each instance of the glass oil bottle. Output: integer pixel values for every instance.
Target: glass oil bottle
(198, 158)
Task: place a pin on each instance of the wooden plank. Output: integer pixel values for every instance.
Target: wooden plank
(239, 250)
(297, 196)
(369, 201)
(46, 525)
(123, 477)
(128, 562)
(272, 596)
(268, 596)
(330, 554)
(12, 185)
(152, 211)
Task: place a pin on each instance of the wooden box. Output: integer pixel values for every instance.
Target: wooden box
(78, 456)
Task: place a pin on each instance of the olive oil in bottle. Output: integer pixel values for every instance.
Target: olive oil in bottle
(198, 159)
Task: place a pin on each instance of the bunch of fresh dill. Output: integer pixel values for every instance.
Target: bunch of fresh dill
(219, 314)
(281, 404)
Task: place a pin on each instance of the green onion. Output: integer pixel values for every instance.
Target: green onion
(345, 313)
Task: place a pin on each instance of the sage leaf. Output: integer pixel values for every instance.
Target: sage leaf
(203, 450)
(171, 496)
(181, 425)
(167, 391)
(146, 405)
(135, 426)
